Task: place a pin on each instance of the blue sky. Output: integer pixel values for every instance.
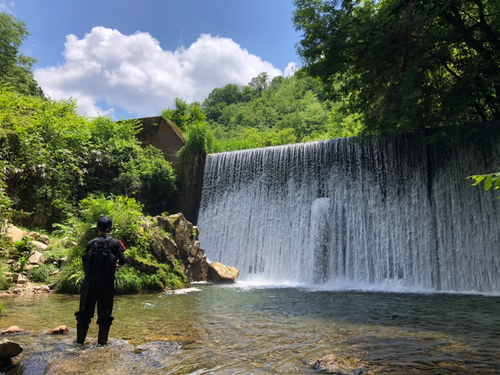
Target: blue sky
(132, 58)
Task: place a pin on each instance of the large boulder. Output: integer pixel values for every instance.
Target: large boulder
(177, 239)
(36, 257)
(39, 246)
(163, 247)
(15, 233)
(222, 274)
(9, 349)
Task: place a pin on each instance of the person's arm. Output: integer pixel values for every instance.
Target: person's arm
(120, 253)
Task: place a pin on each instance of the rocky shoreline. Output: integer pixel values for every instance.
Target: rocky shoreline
(26, 290)
(174, 242)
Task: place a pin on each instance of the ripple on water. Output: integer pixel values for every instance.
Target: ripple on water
(228, 330)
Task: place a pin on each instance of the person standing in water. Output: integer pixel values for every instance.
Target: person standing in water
(100, 261)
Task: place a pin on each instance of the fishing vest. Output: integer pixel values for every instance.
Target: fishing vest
(99, 262)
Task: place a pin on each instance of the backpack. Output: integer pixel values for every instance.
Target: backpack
(100, 262)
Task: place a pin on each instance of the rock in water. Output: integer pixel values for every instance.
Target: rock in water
(220, 273)
(9, 349)
(333, 364)
(59, 330)
(14, 330)
(169, 346)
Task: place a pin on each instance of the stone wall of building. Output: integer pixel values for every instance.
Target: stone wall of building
(164, 135)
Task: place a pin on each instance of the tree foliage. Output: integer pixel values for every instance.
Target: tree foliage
(274, 112)
(405, 64)
(490, 180)
(184, 114)
(15, 68)
(51, 157)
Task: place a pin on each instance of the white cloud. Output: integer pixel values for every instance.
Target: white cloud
(6, 8)
(133, 72)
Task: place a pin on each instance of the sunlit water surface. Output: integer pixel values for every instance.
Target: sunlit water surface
(243, 330)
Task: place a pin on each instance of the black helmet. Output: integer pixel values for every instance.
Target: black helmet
(104, 224)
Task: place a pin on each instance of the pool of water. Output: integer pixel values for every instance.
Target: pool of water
(235, 330)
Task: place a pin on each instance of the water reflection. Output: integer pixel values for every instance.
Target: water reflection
(229, 330)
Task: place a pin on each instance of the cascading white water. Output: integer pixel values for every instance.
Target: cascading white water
(393, 211)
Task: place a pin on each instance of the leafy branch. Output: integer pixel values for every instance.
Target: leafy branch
(492, 179)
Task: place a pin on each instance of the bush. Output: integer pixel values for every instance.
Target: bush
(4, 284)
(6, 244)
(126, 214)
(151, 282)
(199, 142)
(151, 179)
(41, 274)
(71, 276)
(127, 281)
(5, 201)
(21, 248)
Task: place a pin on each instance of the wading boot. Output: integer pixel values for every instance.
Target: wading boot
(81, 333)
(102, 336)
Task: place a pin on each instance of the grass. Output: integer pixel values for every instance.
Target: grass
(42, 274)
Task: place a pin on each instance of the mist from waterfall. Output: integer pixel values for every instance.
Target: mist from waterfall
(381, 214)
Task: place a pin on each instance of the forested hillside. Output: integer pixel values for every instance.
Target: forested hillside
(266, 113)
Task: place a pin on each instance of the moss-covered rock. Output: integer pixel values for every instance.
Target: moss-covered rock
(177, 239)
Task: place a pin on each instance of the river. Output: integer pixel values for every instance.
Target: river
(264, 330)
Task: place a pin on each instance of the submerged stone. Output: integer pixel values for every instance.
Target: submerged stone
(59, 330)
(14, 330)
(159, 345)
(333, 364)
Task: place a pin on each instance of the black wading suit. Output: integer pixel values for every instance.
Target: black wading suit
(98, 285)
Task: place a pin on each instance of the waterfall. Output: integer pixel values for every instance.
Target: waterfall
(390, 211)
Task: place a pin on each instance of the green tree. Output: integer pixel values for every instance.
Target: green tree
(220, 98)
(184, 114)
(405, 64)
(259, 83)
(51, 157)
(295, 103)
(5, 202)
(15, 68)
